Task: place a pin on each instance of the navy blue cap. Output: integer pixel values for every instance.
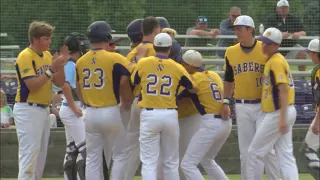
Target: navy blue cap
(99, 31)
(134, 31)
(163, 22)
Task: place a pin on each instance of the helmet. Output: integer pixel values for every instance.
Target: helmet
(99, 31)
(134, 31)
(163, 22)
(77, 42)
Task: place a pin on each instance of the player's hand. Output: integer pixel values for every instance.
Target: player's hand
(78, 112)
(285, 35)
(282, 126)
(225, 112)
(295, 36)
(58, 61)
(4, 125)
(315, 128)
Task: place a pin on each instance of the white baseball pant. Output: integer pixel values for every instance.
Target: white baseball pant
(118, 150)
(204, 147)
(249, 117)
(159, 131)
(74, 126)
(188, 126)
(268, 137)
(33, 131)
(102, 126)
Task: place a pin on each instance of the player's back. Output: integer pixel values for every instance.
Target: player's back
(159, 78)
(208, 99)
(247, 70)
(277, 71)
(99, 73)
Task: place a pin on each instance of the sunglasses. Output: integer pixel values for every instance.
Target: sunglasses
(235, 16)
(202, 20)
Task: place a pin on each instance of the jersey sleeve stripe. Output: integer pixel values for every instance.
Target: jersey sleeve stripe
(275, 91)
(185, 82)
(228, 75)
(197, 104)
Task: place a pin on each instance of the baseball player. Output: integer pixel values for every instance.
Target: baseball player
(130, 154)
(102, 78)
(188, 125)
(214, 131)
(36, 69)
(71, 111)
(134, 32)
(159, 78)
(275, 130)
(244, 64)
(175, 52)
(311, 144)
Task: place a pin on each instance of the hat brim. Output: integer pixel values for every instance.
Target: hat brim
(266, 40)
(232, 26)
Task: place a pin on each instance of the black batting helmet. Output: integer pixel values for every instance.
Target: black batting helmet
(134, 31)
(99, 31)
(77, 42)
(163, 22)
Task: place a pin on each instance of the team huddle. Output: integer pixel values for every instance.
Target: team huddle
(157, 107)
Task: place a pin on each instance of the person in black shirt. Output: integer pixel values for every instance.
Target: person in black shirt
(290, 26)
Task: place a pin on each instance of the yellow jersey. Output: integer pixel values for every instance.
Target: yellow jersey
(315, 83)
(245, 70)
(209, 97)
(98, 74)
(185, 106)
(30, 64)
(150, 52)
(276, 71)
(132, 58)
(160, 78)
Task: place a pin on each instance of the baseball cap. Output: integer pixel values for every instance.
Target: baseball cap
(202, 19)
(283, 3)
(162, 40)
(313, 46)
(271, 36)
(243, 20)
(193, 58)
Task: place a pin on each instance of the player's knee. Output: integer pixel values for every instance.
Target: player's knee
(185, 165)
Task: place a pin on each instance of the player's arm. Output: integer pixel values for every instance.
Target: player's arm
(58, 78)
(25, 68)
(228, 80)
(123, 70)
(281, 81)
(66, 89)
(78, 87)
(186, 80)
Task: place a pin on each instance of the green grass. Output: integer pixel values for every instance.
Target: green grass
(231, 177)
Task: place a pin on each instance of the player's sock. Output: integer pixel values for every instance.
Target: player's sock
(69, 165)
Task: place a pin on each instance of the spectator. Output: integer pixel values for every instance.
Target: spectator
(6, 111)
(225, 29)
(201, 29)
(289, 25)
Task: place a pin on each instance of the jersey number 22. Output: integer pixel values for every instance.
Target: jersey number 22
(164, 81)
